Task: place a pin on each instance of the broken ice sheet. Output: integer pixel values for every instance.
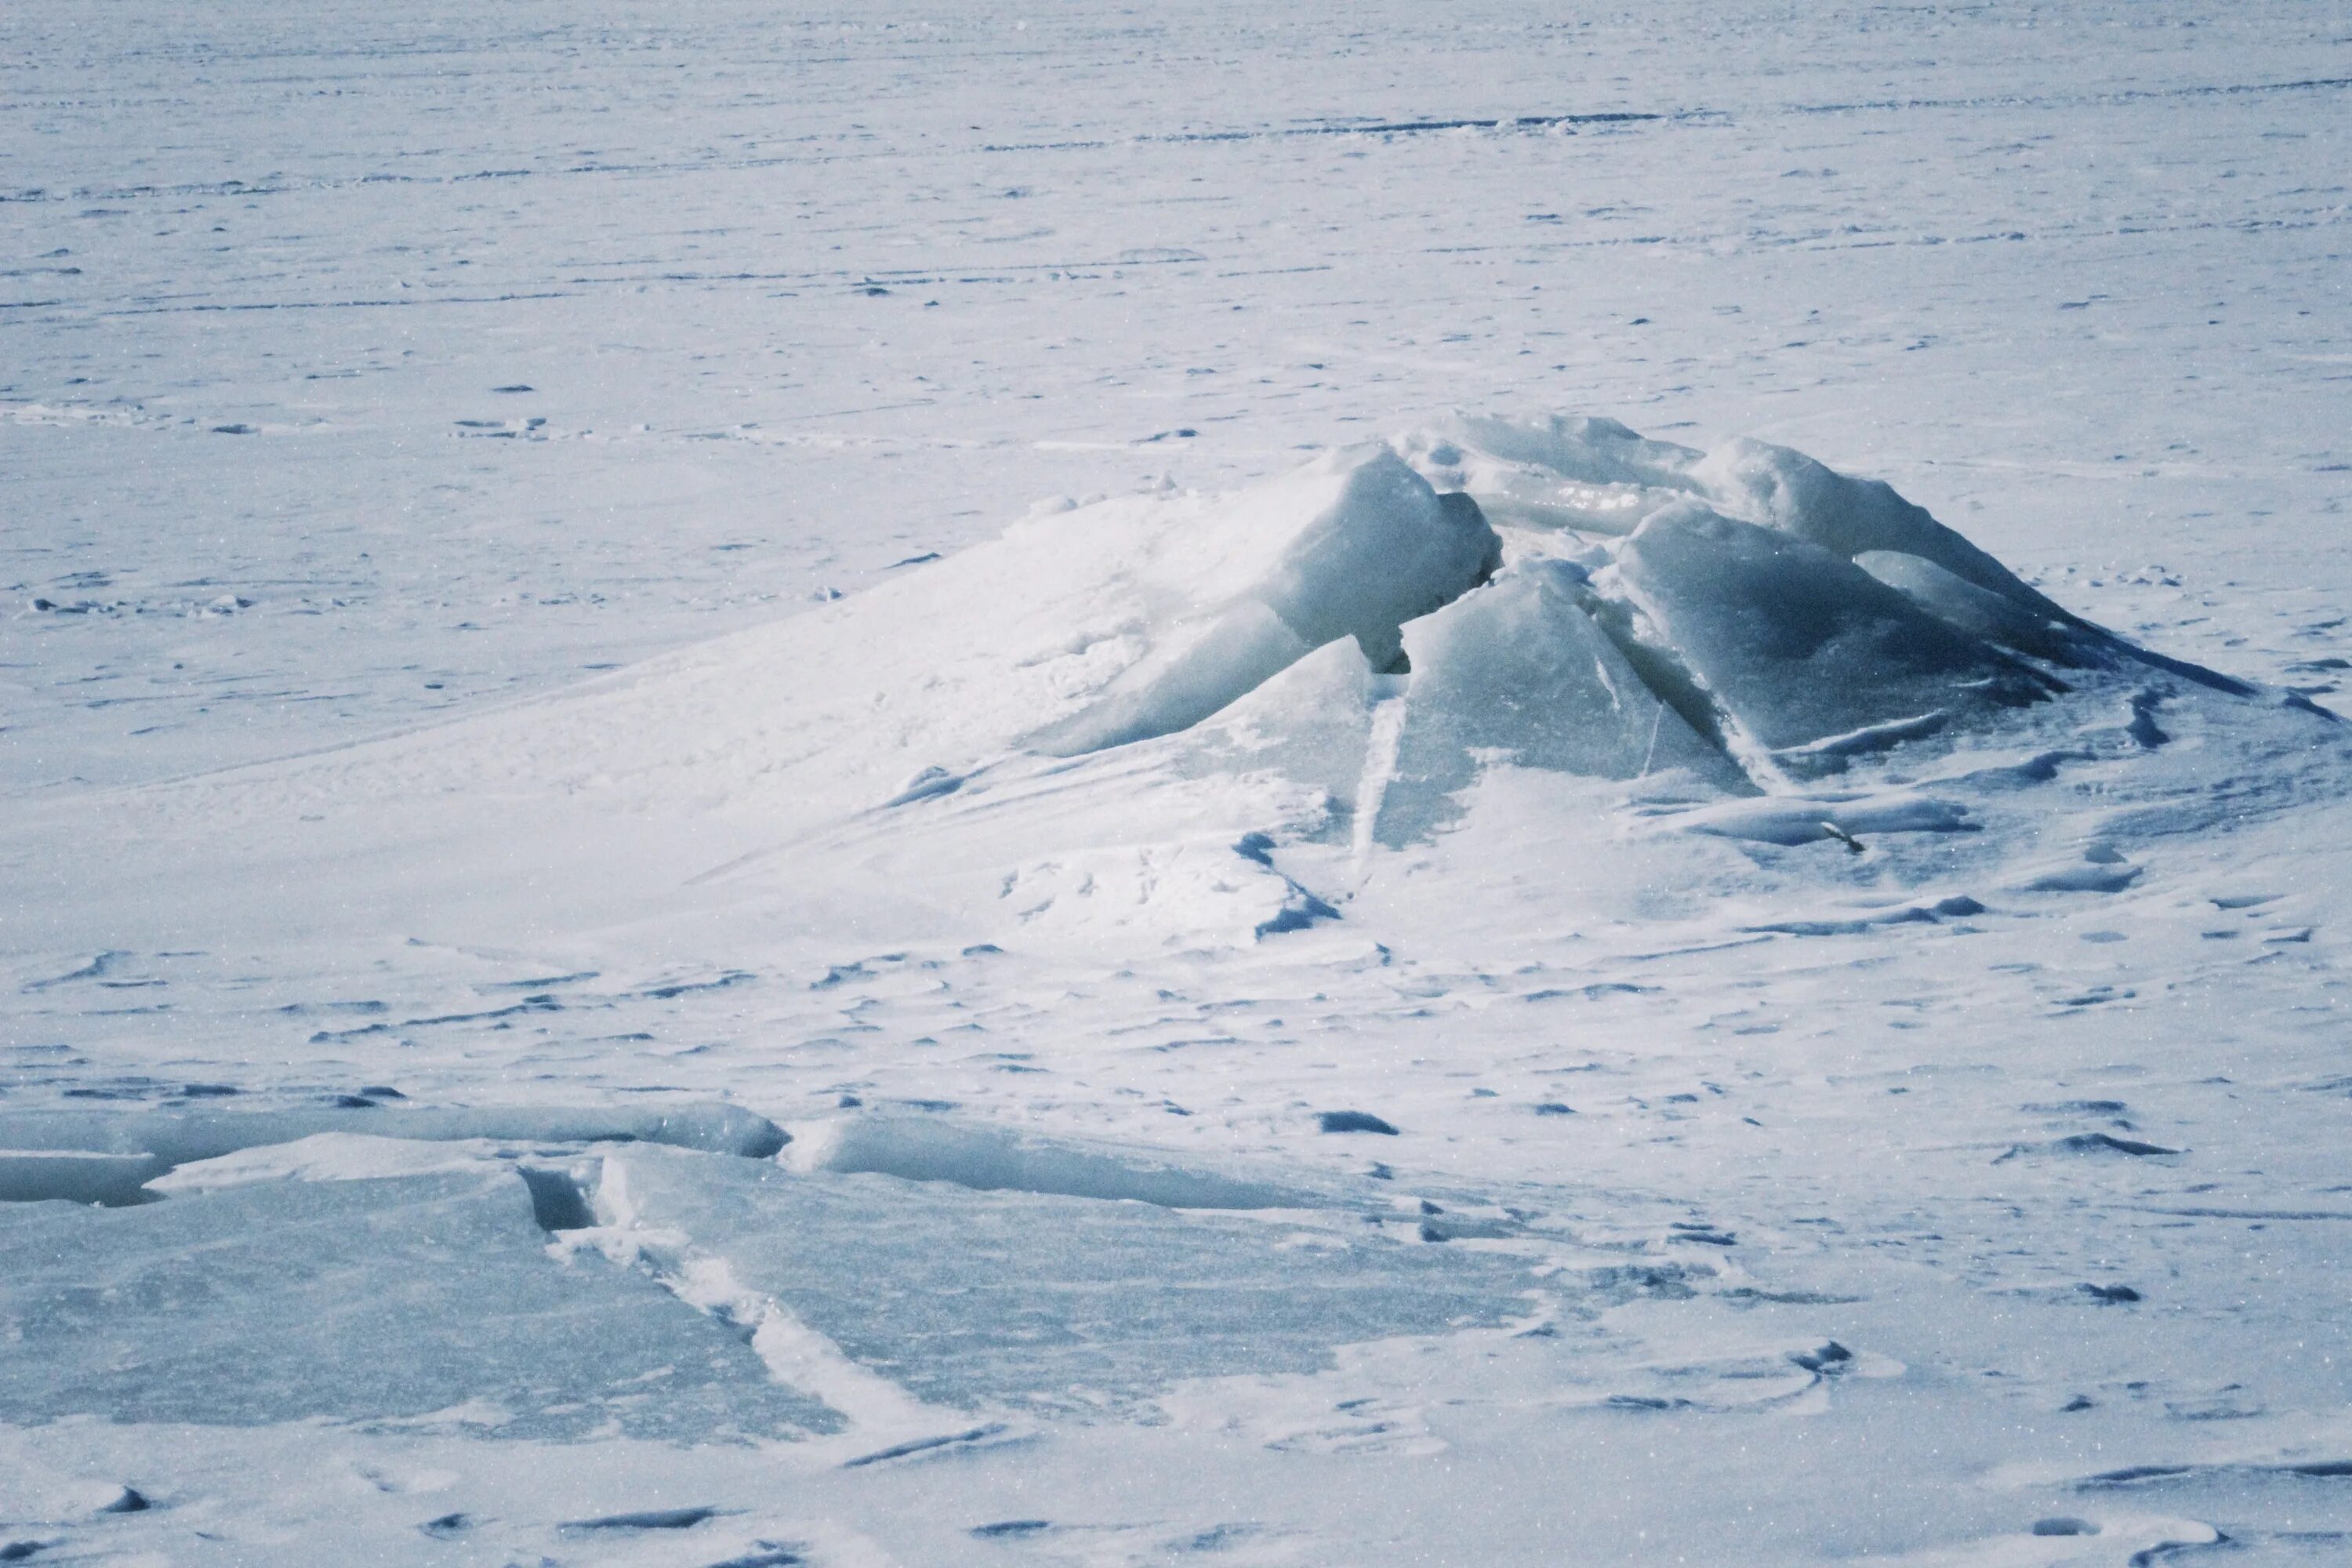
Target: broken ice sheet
(363, 1301)
(1049, 1302)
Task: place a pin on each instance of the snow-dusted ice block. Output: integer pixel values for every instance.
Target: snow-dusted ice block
(176, 1137)
(1806, 819)
(1785, 490)
(1519, 671)
(1233, 654)
(1353, 545)
(1387, 549)
(359, 1299)
(1564, 471)
(1595, 476)
(1017, 1298)
(344, 1157)
(1798, 645)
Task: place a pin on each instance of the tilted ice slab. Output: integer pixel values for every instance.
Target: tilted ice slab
(106, 1156)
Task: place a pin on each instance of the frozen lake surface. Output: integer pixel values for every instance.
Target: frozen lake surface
(789, 788)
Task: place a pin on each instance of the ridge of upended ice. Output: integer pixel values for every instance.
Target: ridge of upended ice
(1565, 595)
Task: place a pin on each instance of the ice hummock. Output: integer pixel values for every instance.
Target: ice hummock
(1061, 737)
(1391, 624)
(1564, 595)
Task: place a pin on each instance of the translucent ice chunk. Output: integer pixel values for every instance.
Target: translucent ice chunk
(1352, 547)
(992, 1158)
(1798, 645)
(1010, 1298)
(1790, 491)
(1518, 671)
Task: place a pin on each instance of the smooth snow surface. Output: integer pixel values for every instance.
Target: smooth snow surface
(1488, 785)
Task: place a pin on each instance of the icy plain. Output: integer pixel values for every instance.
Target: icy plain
(595, 589)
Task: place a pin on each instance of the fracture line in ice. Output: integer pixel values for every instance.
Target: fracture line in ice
(795, 1354)
(1380, 767)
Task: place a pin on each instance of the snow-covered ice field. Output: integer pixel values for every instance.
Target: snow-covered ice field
(1123, 785)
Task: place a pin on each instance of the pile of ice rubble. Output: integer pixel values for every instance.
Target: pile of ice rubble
(1570, 597)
